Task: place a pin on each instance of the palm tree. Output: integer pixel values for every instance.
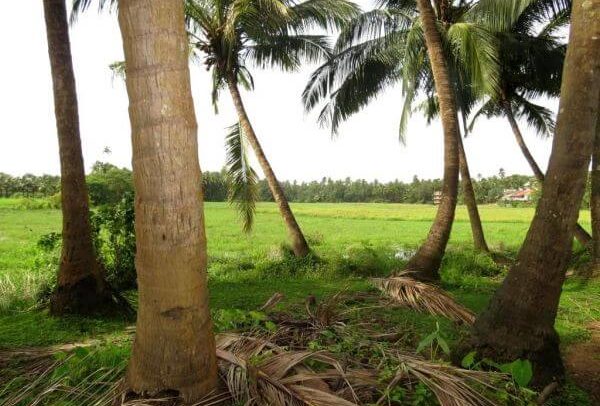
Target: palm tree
(174, 347)
(428, 258)
(81, 287)
(531, 57)
(386, 46)
(519, 321)
(232, 34)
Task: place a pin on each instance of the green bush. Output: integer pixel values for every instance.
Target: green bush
(114, 227)
(108, 184)
(29, 203)
(366, 260)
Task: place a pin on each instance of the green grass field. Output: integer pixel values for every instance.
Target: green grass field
(352, 241)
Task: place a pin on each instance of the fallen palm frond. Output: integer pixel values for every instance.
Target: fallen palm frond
(423, 297)
(452, 386)
(277, 367)
(55, 370)
(258, 372)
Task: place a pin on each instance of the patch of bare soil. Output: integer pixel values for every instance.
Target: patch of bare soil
(583, 363)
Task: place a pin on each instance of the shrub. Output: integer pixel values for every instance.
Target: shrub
(114, 227)
(28, 203)
(108, 184)
(365, 260)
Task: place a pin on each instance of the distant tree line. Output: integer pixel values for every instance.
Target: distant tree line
(108, 183)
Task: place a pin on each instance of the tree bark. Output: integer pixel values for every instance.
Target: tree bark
(299, 244)
(426, 261)
(174, 347)
(580, 233)
(595, 201)
(471, 202)
(81, 288)
(519, 321)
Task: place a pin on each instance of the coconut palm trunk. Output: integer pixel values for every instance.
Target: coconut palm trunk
(595, 201)
(470, 201)
(580, 233)
(299, 244)
(174, 347)
(519, 321)
(426, 261)
(81, 287)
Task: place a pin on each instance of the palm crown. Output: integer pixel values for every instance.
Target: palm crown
(233, 34)
(386, 46)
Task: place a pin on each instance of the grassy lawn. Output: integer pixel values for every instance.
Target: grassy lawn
(352, 242)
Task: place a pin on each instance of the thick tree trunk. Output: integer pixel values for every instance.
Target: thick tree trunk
(519, 321)
(470, 201)
(580, 233)
(426, 262)
(81, 288)
(299, 244)
(174, 347)
(595, 201)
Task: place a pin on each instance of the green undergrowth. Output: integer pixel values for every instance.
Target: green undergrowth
(351, 243)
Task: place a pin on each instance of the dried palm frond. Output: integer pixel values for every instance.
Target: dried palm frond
(96, 388)
(423, 297)
(272, 302)
(259, 372)
(451, 385)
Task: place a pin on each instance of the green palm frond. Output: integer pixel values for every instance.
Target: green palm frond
(498, 15)
(118, 70)
(357, 90)
(371, 25)
(242, 179)
(324, 14)
(476, 51)
(287, 51)
(79, 6)
(350, 64)
(234, 35)
(537, 117)
(560, 21)
(490, 108)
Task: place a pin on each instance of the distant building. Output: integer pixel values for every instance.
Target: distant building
(437, 197)
(517, 195)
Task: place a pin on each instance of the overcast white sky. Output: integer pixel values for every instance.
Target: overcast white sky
(367, 146)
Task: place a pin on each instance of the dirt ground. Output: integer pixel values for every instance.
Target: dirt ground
(583, 363)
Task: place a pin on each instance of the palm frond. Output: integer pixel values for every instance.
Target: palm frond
(371, 25)
(288, 51)
(451, 386)
(488, 109)
(540, 118)
(80, 6)
(242, 179)
(323, 14)
(497, 16)
(118, 70)
(476, 51)
(423, 297)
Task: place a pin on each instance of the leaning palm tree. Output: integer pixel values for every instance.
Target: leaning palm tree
(386, 46)
(81, 287)
(234, 34)
(519, 321)
(531, 56)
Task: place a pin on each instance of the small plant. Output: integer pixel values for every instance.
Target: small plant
(50, 241)
(519, 370)
(435, 341)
